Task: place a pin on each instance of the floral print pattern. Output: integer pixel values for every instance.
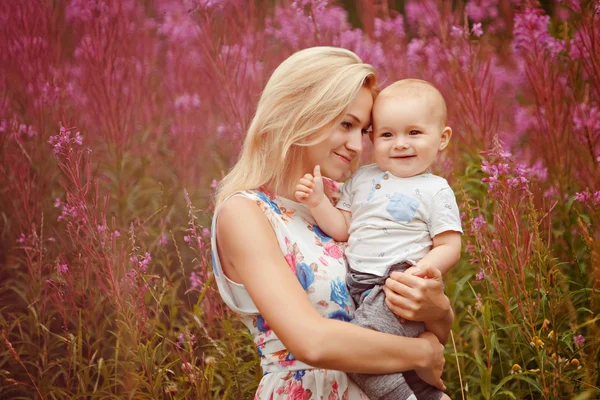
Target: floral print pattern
(318, 263)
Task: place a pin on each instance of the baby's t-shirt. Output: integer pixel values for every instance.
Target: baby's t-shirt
(394, 219)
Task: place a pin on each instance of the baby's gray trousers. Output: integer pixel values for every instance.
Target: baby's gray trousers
(372, 312)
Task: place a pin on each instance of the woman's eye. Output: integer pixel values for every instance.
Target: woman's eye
(415, 132)
(346, 125)
(364, 131)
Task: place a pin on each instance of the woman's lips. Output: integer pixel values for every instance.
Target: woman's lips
(343, 158)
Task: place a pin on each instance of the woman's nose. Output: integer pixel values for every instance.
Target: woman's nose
(354, 142)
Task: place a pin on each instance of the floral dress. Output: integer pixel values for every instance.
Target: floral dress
(318, 262)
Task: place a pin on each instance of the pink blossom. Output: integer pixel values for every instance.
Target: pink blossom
(116, 234)
(478, 223)
(163, 240)
(583, 197)
(187, 239)
(145, 262)
(195, 280)
(62, 268)
(477, 30)
(480, 276)
(205, 232)
(457, 31)
(579, 340)
(214, 184)
(332, 250)
(531, 33)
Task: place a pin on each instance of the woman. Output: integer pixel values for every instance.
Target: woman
(279, 272)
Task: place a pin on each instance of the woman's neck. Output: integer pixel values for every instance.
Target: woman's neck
(285, 191)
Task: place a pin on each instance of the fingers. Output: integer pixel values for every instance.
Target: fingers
(428, 271)
(317, 171)
(400, 289)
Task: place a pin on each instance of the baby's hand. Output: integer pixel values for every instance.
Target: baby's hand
(309, 189)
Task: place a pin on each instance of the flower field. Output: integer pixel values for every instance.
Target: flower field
(119, 118)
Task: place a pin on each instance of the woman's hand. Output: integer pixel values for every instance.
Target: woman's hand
(431, 372)
(417, 295)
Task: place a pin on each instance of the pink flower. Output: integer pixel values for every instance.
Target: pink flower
(163, 240)
(457, 31)
(583, 197)
(195, 280)
(62, 268)
(332, 250)
(145, 261)
(478, 223)
(186, 239)
(477, 30)
(480, 276)
(579, 340)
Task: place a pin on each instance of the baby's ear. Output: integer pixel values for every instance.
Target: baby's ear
(446, 135)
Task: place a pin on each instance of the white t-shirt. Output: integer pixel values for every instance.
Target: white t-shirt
(394, 219)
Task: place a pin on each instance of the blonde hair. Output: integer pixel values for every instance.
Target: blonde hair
(307, 95)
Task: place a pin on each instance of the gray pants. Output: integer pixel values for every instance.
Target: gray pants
(373, 313)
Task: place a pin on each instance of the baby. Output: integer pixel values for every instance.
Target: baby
(394, 214)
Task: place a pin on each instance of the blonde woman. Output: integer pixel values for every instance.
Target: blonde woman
(275, 267)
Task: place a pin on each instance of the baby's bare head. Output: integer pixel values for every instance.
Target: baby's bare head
(412, 89)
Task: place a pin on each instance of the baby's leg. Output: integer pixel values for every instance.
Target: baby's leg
(373, 313)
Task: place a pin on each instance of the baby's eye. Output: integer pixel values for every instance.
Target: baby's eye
(386, 134)
(415, 132)
(346, 125)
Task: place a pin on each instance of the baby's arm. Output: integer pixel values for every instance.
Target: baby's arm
(331, 220)
(445, 252)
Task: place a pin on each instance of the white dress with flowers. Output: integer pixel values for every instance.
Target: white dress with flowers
(319, 264)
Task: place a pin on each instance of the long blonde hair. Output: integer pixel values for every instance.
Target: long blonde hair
(304, 99)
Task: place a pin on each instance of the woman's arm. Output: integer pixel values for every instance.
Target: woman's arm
(419, 296)
(249, 252)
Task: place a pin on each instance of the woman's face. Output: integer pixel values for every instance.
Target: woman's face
(344, 143)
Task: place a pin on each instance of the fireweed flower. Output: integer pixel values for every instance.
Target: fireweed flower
(478, 223)
(457, 31)
(477, 30)
(195, 280)
(163, 240)
(583, 197)
(578, 340)
(145, 262)
(531, 34)
(480, 276)
(62, 268)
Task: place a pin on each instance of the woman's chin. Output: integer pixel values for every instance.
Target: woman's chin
(336, 174)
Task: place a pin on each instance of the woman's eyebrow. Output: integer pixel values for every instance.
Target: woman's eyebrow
(355, 118)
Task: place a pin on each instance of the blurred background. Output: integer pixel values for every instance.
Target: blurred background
(118, 119)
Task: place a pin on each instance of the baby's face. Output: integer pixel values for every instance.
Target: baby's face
(408, 132)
